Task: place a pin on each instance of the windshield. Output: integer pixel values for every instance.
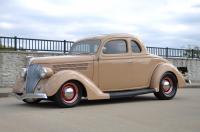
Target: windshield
(89, 46)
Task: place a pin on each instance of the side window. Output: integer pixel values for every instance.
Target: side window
(115, 47)
(135, 47)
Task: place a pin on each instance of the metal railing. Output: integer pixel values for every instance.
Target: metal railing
(174, 53)
(15, 43)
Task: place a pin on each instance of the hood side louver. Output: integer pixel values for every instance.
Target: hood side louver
(60, 67)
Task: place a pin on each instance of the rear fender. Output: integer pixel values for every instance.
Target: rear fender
(160, 70)
(57, 80)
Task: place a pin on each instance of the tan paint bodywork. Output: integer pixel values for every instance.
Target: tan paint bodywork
(58, 79)
(99, 73)
(133, 69)
(59, 63)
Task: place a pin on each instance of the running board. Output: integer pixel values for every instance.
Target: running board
(130, 93)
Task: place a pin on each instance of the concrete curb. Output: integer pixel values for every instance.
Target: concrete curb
(4, 94)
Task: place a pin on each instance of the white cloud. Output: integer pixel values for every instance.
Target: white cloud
(6, 25)
(175, 28)
(154, 21)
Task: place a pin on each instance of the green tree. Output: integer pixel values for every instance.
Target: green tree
(192, 52)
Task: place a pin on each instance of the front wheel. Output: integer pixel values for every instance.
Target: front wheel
(168, 87)
(69, 94)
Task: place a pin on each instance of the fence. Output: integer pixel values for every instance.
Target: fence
(176, 53)
(15, 43)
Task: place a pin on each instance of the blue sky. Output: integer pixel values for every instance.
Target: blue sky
(163, 23)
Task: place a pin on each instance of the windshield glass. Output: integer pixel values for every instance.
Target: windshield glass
(89, 46)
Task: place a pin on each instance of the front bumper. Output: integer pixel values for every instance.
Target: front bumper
(30, 96)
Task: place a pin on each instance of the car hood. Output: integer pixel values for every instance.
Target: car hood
(61, 59)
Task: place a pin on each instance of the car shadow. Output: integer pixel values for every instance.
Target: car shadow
(117, 101)
(90, 103)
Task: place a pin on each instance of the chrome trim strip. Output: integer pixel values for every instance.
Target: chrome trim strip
(31, 96)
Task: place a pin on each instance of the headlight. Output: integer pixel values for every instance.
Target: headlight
(46, 72)
(23, 72)
(43, 72)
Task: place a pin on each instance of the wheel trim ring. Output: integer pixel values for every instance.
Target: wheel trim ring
(170, 83)
(74, 89)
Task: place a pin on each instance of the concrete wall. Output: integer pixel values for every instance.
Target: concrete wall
(12, 62)
(193, 66)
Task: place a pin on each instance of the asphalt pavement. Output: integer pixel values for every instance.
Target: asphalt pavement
(139, 114)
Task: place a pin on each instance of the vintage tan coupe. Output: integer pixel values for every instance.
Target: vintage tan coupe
(102, 67)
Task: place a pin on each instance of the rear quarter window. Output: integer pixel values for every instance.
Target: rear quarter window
(135, 47)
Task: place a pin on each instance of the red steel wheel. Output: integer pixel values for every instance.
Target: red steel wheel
(69, 94)
(168, 87)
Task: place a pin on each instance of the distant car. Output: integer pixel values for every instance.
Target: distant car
(102, 67)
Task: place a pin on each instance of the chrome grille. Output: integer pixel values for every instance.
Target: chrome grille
(33, 77)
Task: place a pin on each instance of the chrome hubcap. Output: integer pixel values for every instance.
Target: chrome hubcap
(69, 93)
(167, 85)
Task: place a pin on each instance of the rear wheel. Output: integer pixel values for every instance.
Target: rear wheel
(168, 87)
(69, 94)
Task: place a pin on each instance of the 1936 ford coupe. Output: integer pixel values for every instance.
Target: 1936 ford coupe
(102, 67)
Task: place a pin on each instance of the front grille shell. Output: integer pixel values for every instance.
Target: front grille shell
(33, 77)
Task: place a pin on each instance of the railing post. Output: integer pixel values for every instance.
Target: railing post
(192, 53)
(15, 42)
(64, 46)
(1, 46)
(166, 52)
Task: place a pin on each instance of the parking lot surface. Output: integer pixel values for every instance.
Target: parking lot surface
(140, 114)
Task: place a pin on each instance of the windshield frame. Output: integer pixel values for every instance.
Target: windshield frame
(85, 53)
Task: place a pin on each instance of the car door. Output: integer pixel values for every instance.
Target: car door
(114, 65)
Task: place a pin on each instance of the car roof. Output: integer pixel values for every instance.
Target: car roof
(106, 36)
(121, 35)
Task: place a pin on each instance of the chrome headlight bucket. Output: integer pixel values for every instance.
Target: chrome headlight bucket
(43, 72)
(46, 72)
(23, 72)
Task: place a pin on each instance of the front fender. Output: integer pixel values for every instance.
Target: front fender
(160, 70)
(57, 80)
